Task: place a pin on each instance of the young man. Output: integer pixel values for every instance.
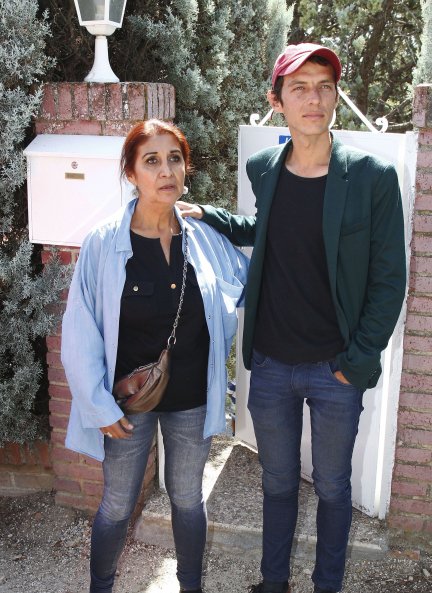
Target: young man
(325, 287)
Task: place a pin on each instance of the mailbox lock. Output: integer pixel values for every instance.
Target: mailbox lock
(74, 165)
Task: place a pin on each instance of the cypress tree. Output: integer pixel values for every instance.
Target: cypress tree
(25, 291)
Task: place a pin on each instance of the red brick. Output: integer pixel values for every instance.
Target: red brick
(414, 506)
(423, 181)
(422, 284)
(64, 101)
(80, 102)
(57, 421)
(6, 481)
(423, 201)
(420, 105)
(60, 392)
(136, 100)
(79, 472)
(59, 407)
(421, 265)
(62, 485)
(34, 481)
(57, 376)
(419, 401)
(14, 454)
(422, 419)
(420, 304)
(93, 488)
(422, 323)
(416, 362)
(405, 523)
(53, 343)
(409, 488)
(422, 243)
(117, 128)
(418, 343)
(48, 107)
(89, 127)
(414, 455)
(425, 138)
(90, 461)
(44, 453)
(53, 359)
(97, 101)
(29, 454)
(421, 473)
(58, 436)
(424, 159)
(414, 382)
(427, 527)
(61, 454)
(114, 101)
(76, 501)
(423, 222)
(415, 437)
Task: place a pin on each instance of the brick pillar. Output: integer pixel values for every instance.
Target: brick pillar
(104, 110)
(411, 501)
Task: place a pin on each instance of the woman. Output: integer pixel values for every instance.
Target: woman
(122, 303)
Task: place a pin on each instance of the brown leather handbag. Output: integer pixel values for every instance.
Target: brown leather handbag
(143, 389)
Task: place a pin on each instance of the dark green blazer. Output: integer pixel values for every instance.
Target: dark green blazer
(363, 233)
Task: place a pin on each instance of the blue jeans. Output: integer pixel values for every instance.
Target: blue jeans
(125, 462)
(277, 393)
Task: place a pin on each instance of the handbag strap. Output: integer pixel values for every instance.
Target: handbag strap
(172, 338)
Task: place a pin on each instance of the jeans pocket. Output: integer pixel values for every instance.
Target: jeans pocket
(332, 367)
(260, 360)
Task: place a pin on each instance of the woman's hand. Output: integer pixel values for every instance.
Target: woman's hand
(122, 429)
(187, 209)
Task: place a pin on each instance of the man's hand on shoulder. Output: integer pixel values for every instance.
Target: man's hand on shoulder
(187, 209)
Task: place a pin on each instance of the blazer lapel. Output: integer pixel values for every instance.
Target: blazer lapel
(267, 189)
(334, 206)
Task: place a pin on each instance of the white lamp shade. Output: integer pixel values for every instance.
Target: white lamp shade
(100, 12)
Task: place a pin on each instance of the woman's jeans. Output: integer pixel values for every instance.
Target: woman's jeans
(125, 462)
(277, 393)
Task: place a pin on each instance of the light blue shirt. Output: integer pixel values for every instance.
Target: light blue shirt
(91, 322)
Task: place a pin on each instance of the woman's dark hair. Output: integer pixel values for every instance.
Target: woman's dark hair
(143, 131)
(277, 90)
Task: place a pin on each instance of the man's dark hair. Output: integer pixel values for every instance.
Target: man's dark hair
(277, 90)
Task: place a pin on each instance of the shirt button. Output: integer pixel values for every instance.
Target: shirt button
(173, 285)
(135, 288)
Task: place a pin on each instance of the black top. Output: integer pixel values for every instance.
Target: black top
(148, 308)
(296, 319)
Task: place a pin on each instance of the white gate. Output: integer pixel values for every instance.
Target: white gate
(374, 450)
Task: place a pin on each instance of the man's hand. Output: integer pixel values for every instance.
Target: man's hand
(192, 210)
(122, 429)
(341, 377)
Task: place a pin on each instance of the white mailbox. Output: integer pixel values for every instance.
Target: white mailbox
(73, 184)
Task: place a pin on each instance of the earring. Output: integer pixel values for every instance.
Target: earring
(135, 192)
(185, 191)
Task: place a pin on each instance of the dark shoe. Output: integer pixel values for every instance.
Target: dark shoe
(264, 588)
(191, 591)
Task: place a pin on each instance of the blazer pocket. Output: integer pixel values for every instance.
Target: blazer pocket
(355, 227)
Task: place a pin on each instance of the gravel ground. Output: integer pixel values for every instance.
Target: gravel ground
(45, 549)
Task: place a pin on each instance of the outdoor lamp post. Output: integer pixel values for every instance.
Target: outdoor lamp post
(101, 18)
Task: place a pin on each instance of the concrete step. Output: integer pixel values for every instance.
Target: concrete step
(232, 488)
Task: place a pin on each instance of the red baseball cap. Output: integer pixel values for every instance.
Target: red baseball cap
(295, 56)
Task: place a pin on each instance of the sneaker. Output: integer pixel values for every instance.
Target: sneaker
(191, 591)
(260, 588)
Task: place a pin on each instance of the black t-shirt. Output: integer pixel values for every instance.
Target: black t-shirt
(296, 319)
(148, 308)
